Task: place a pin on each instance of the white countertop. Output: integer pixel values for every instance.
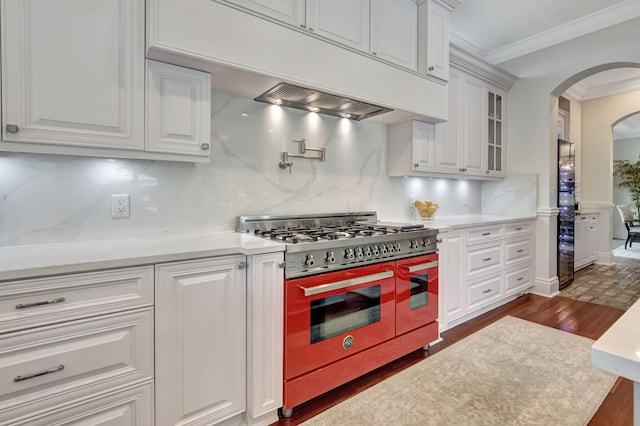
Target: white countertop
(49, 259)
(17, 262)
(464, 221)
(618, 350)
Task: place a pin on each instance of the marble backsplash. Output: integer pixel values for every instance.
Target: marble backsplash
(49, 198)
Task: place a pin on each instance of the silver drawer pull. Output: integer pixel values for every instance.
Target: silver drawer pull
(45, 302)
(487, 291)
(486, 259)
(42, 373)
(519, 229)
(520, 251)
(324, 288)
(423, 266)
(242, 265)
(520, 279)
(484, 234)
(281, 264)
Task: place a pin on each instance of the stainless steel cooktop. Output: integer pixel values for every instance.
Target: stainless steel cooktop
(326, 242)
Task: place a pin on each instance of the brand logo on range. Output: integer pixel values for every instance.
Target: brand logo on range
(347, 342)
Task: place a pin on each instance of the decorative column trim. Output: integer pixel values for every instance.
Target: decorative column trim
(548, 211)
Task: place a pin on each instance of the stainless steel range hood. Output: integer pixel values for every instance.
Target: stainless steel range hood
(323, 103)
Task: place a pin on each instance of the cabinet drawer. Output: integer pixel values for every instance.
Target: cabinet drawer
(42, 301)
(130, 406)
(484, 292)
(517, 250)
(484, 259)
(517, 280)
(484, 234)
(87, 355)
(518, 228)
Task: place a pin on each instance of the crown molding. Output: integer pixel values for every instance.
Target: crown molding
(450, 5)
(614, 88)
(470, 63)
(613, 15)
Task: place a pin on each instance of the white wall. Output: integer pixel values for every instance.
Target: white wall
(57, 198)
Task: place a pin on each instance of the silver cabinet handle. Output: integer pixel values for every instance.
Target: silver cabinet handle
(520, 279)
(484, 234)
(281, 264)
(519, 229)
(42, 373)
(12, 128)
(487, 291)
(520, 251)
(439, 240)
(431, 68)
(422, 266)
(324, 288)
(486, 259)
(310, 29)
(204, 146)
(44, 302)
(416, 165)
(242, 265)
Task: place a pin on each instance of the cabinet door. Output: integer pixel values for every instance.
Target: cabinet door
(473, 137)
(580, 228)
(495, 132)
(394, 32)
(289, 11)
(453, 291)
(200, 340)
(346, 22)
(423, 141)
(449, 135)
(73, 73)
(265, 328)
(178, 105)
(437, 41)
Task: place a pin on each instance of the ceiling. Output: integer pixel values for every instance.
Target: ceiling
(502, 30)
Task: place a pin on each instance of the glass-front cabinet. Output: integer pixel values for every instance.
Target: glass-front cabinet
(495, 133)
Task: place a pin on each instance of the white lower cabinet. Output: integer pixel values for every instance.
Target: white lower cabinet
(585, 240)
(483, 267)
(200, 341)
(265, 328)
(78, 349)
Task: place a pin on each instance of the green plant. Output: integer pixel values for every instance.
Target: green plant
(628, 175)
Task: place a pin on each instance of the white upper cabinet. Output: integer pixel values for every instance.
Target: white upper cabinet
(459, 148)
(289, 11)
(178, 110)
(433, 40)
(73, 73)
(410, 148)
(495, 132)
(346, 22)
(394, 32)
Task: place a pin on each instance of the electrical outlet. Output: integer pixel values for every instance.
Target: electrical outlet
(119, 205)
(412, 200)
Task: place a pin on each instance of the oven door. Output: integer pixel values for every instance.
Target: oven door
(416, 292)
(333, 315)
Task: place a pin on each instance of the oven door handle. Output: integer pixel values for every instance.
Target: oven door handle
(422, 266)
(325, 288)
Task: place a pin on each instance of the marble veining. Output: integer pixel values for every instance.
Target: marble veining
(50, 199)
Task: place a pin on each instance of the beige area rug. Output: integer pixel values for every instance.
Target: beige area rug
(512, 372)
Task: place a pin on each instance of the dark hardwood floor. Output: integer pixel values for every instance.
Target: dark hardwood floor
(585, 319)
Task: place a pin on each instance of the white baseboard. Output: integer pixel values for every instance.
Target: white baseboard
(546, 287)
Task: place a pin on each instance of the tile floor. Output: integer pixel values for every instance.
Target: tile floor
(616, 285)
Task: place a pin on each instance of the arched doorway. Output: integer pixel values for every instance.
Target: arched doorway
(626, 146)
(594, 149)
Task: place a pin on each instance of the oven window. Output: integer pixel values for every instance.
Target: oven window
(334, 315)
(419, 286)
